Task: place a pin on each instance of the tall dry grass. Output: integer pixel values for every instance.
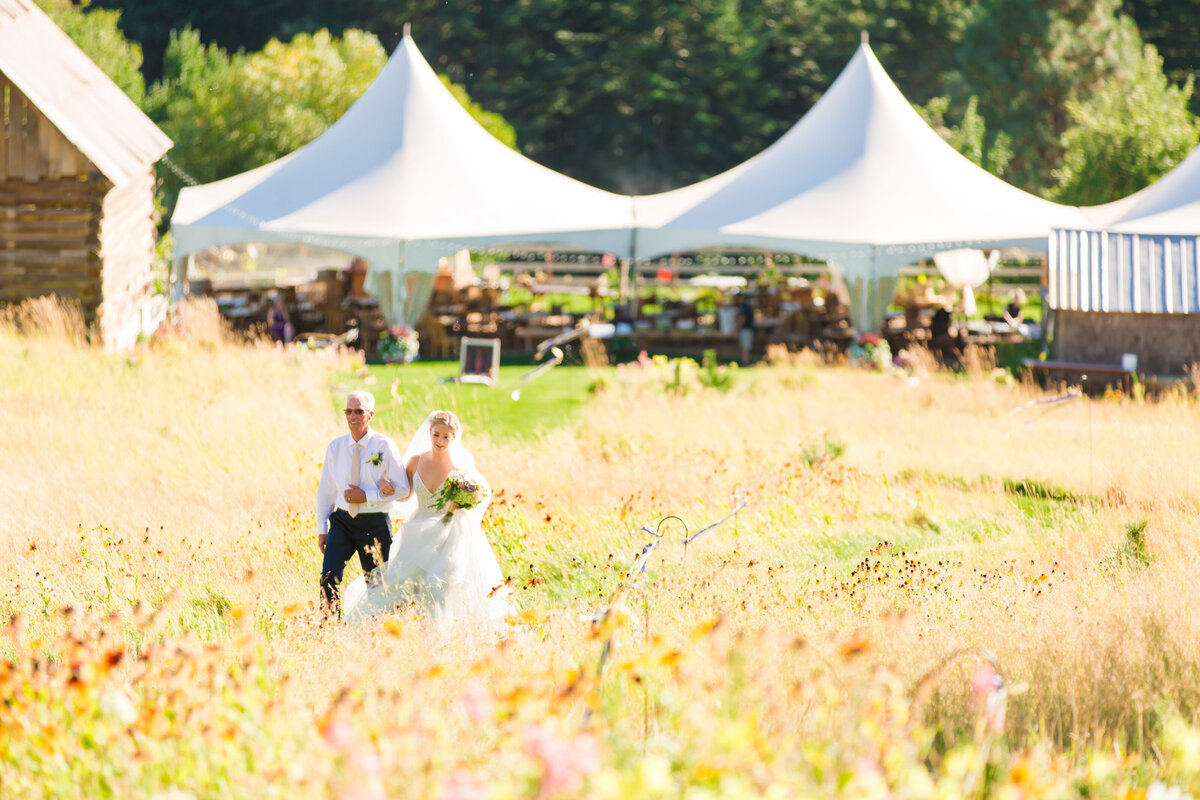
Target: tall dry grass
(786, 653)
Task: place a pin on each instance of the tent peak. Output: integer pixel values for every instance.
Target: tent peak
(866, 37)
(408, 30)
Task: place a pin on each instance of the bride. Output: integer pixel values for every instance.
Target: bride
(445, 566)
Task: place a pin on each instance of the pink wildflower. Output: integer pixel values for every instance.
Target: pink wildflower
(338, 734)
(477, 702)
(564, 762)
(990, 696)
(461, 786)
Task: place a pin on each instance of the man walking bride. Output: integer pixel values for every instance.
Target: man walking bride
(352, 517)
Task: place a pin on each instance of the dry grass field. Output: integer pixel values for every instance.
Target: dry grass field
(929, 593)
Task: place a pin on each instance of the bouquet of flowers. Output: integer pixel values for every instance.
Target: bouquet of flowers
(871, 351)
(399, 343)
(463, 490)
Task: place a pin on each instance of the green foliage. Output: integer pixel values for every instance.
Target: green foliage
(492, 122)
(1133, 130)
(1133, 551)
(1179, 44)
(1025, 59)
(300, 88)
(630, 96)
(228, 114)
(637, 96)
(826, 451)
(969, 136)
(97, 34)
(715, 376)
(193, 104)
(916, 41)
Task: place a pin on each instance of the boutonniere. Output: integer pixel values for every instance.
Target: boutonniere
(376, 459)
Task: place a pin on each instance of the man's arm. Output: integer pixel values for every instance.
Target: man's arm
(326, 492)
(397, 471)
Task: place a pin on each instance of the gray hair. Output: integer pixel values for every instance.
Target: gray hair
(365, 398)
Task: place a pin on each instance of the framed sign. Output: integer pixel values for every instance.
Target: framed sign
(479, 361)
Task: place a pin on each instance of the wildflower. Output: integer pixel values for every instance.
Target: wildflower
(338, 734)
(990, 697)
(654, 774)
(1160, 791)
(174, 794)
(460, 490)
(116, 704)
(477, 702)
(461, 786)
(564, 762)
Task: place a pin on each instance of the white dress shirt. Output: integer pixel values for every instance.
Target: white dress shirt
(377, 458)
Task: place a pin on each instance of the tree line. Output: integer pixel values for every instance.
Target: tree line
(1081, 101)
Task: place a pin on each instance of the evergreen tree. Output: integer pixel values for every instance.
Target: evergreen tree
(1171, 26)
(1025, 59)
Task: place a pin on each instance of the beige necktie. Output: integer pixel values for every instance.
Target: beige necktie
(353, 476)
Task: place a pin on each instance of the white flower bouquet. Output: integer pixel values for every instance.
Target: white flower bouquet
(461, 489)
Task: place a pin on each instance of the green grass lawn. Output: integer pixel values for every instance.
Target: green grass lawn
(549, 401)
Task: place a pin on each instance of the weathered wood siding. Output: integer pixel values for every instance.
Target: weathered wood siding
(127, 236)
(65, 230)
(1165, 344)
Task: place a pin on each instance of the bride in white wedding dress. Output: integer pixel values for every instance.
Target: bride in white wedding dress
(448, 568)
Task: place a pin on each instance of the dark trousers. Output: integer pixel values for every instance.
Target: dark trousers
(370, 535)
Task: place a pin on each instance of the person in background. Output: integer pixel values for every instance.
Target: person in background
(278, 319)
(1012, 312)
(746, 332)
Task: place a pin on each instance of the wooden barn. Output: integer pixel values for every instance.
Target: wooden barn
(1131, 287)
(77, 181)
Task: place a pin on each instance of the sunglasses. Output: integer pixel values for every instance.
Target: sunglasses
(355, 412)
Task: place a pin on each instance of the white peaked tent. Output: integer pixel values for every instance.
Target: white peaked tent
(862, 182)
(1139, 254)
(404, 177)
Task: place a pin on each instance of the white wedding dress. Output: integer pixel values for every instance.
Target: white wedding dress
(448, 568)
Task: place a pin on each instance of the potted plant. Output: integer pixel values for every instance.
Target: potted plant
(399, 344)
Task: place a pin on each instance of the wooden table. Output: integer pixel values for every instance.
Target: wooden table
(531, 336)
(1082, 370)
(688, 342)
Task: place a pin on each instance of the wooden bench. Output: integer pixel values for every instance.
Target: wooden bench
(1082, 370)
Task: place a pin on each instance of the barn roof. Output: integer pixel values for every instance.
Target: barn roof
(75, 95)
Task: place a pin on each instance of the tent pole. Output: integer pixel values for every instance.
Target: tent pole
(178, 278)
(872, 290)
(632, 258)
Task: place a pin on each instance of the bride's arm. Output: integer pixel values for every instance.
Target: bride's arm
(409, 469)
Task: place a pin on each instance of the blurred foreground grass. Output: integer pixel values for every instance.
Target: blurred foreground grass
(904, 556)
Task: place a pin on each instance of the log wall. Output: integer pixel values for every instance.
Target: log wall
(127, 235)
(66, 230)
(1165, 344)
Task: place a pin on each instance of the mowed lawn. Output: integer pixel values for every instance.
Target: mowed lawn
(404, 395)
